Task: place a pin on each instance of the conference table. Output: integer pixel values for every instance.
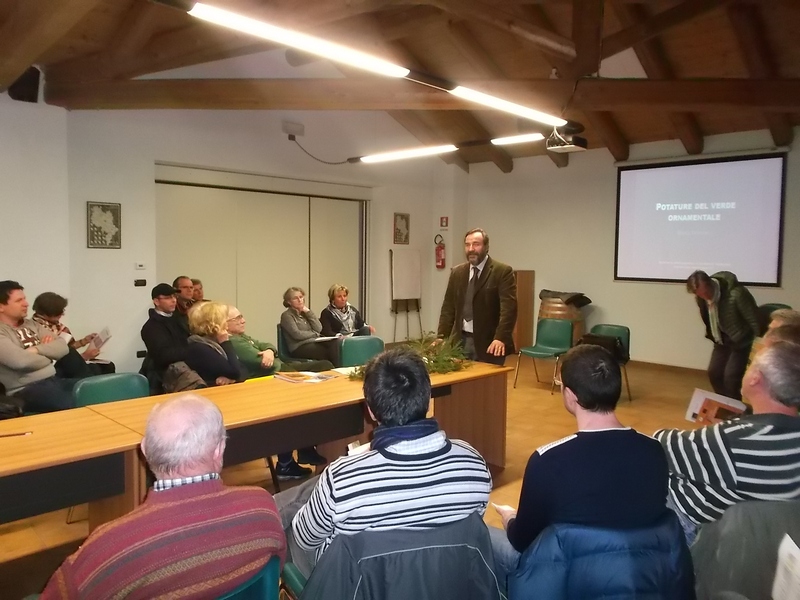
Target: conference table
(262, 417)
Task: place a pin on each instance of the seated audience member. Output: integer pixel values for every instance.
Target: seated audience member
(27, 354)
(605, 475)
(48, 309)
(259, 359)
(193, 537)
(783, 316)
(197, 290)
(210, 353)
(185, 297)
(301, 327)
(340, 317)
(163, 335)
(752, 457)
(412, 477)
(784, 333)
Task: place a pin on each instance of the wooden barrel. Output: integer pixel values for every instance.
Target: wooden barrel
(554, 308)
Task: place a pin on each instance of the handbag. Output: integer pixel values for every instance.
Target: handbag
(10, 408)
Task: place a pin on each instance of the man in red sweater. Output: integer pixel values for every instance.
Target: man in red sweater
(193, 537)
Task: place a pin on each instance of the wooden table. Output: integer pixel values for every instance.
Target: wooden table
(70, 457)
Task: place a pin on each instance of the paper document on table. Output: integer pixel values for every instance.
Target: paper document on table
(100, 339)
(325, 339)
(787, 575)
(708, 408)
(346, 370)
(302, 377)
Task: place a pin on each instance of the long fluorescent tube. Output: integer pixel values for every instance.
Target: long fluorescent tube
(517, 139)
(410, 153)
(297, 40)
(506, 106)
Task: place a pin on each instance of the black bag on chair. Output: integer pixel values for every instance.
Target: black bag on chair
(9, 407)
(610, 342)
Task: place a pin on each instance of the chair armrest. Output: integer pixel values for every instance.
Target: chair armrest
(293, 580)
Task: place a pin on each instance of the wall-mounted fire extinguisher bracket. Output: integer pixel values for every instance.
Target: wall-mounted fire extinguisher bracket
(441, 255)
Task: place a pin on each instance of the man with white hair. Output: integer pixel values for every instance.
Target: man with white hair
(193, 537)
(753, 457)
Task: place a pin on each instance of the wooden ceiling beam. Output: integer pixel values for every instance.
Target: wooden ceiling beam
(419, 129)
(507, 20)
(754, 46)
(477, 56)
(656, 66)
(32, 29)
(605, 125)
(201, 42)
(587, 33)
(658, 24)
(774, 95)
(136, 29)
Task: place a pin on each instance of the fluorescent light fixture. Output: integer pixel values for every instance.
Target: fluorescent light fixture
(518, 139)
(506, 106)
(297, 40)
(410, 153)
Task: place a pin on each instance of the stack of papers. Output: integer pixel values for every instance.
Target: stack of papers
(303, 377)
(708, 408)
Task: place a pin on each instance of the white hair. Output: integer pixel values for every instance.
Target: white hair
(780, 366)
(182, 433)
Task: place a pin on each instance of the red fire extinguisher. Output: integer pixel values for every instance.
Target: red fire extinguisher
(441, 255)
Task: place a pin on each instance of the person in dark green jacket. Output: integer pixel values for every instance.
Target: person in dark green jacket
(260, 359)
(730, 314)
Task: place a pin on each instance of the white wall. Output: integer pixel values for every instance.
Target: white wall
(561, 223)
(35, 217)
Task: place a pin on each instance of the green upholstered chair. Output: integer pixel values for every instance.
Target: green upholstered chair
(283, 349)
(110, 388)
(553, 338)
(765, 311)
(357, 350)
(264, 585)
(292, 581)
(624, 335)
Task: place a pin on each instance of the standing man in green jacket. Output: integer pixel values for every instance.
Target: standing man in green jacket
(730, 314)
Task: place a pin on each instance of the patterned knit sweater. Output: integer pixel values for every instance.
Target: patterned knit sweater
(194, 541)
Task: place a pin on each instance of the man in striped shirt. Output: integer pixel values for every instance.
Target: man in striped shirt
(412, 477)
(754, 457)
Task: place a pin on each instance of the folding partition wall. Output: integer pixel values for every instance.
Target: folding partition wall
(248, 246)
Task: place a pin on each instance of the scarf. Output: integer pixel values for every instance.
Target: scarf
(384, 436)
(200, 339)
(346, 315)
(713, 313)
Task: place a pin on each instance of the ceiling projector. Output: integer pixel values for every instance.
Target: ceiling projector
(565, 142)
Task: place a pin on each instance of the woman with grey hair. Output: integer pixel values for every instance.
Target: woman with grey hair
(301, 328)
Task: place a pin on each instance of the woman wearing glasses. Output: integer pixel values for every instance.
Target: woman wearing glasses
(301, 328)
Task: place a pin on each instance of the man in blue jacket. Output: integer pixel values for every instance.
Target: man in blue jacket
(606, 475)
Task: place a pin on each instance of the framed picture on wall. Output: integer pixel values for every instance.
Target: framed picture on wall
(103, 225)
(402, 228)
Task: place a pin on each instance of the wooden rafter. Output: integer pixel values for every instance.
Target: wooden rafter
(604, 123)
(749, 29)
(587, 33)
(695, 95)
(32, 29)
(420, 130)
(201, 42)
(657, 24)
(496, 15)
(653, 59)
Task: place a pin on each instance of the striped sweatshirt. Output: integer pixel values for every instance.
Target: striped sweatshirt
(754, 457)
(411, 485)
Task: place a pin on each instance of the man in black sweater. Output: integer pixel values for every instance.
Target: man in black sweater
(606, 475)
(163, 335)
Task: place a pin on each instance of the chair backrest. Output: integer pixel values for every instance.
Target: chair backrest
(620, 331)
(554, 333)
(357, 350)
(739, 552)
(110, 388)
(448, 562)
(568, 562)
(264, 585)
(283, 350)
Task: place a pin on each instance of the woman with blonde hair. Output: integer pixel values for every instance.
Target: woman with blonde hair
(340, 317)
(210, 352)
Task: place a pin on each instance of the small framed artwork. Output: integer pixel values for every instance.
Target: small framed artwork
(103, 225)
(402, 228)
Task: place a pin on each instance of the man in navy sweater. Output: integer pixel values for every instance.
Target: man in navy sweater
(605, 475)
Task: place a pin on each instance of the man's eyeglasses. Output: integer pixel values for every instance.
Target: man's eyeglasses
(238, 319)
